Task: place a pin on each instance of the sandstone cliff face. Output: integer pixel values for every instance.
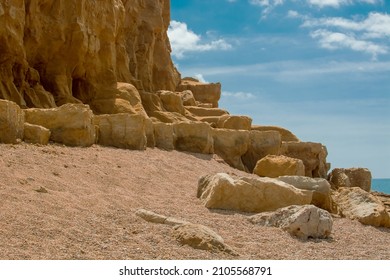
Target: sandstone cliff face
(54, 52)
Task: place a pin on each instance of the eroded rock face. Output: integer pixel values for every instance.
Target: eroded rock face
(303, 221)
(11, 122)
(36, 134)
(204, 93)
(81, 57)
(220, 191)
(286, 135)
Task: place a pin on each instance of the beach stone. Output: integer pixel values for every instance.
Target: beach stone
(302, 221)
(200, 237)
(357, 204)
(247, 194)
(274, 166)
(351, 177)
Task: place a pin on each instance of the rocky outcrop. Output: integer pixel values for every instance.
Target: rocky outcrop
(164, 136)
(81, 57)
(70, 124)
(306, 221)
(235, 122)
(313, 156)
(357, 204)
(11, 122)
(320, 187)
(351, 177)
(220, 191)
(286, 135)
(203, 93)
(274, 166)
(36, 134)
(194, 137)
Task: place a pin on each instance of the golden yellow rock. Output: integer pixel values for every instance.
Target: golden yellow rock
(36, 134)
(286, 135)
(235, 122)
(70, 124)
(163, 133)
(196, 137)
(122, 131)
(203, 92)
(351, 177)
(11, 122)
(274, 166)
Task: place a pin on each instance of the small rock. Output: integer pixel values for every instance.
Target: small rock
(41, 190)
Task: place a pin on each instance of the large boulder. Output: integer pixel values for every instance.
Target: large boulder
(313, 156)
(188, 98)
(203, 92)
(230, 145)
(303, 221)
(247, 194)
(274, 166)
(122, 131)
(11, 122)
(286, 135)
(357, 204)
(70, 124)
(36, 134)
(196, 137)
(164, 136)
(261, 144)
(320, 187)
(351, 177)
(235, 122)
(206, 112)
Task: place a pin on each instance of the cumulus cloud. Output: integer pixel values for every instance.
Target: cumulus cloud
(238, 95)
(338, 3)
(267, 5)
(184, 40)
(365, 35)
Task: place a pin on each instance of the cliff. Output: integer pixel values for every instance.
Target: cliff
(54, 52)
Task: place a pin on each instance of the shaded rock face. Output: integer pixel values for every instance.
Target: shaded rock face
(274, 166)
(81, 57)
(11, 122)
(302, 221)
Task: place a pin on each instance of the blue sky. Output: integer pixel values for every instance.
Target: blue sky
(320, 68)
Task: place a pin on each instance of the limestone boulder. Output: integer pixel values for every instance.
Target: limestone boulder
(235, 122)
(357, 204)
(11, 122)
(172, 101)
(247, 194)
(196, 137)
(286, 135)
(203, 92)
(70, 124)
(320, 187)
(313, 156)
(231, 145)
(164, 136)
(36, 134)
(261, 144)
(274, 166)
(122, 131)
(200, 237)
(351, 177)
(303, 221)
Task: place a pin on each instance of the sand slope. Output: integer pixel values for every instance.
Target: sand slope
(92, 194)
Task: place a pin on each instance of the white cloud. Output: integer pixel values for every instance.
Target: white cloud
(267, 5)
(238, 95)
(200, 78)
(336, 40)
(184, 40)
(338, 3)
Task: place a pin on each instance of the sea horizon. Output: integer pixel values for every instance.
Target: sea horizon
(381, 185)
